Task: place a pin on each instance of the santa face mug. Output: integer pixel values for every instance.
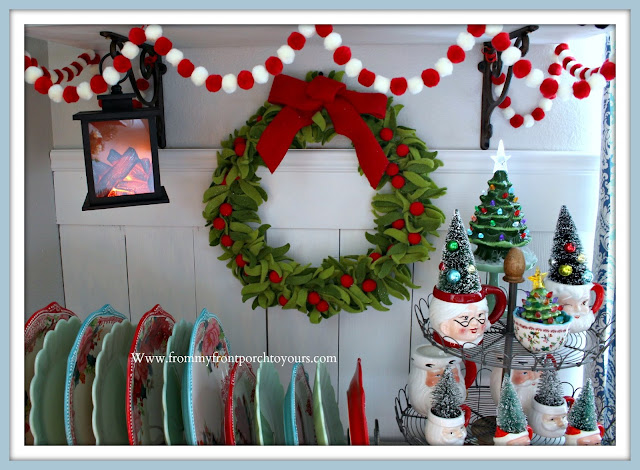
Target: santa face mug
(447, 431)
(524, 381)
(427, 366)
(549, 421)
(575, 302)
(576, 437)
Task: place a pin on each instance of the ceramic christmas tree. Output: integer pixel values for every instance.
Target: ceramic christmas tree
(540, 306)
(549, 408)
(498, 224)
(512, 428)
(446, 421)
(583, 426)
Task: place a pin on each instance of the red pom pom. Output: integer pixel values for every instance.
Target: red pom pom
(516, 121)
(70, 94)
(322, 306)
(375, 256)
(476, 30)
(560, 47)
(137, 36)
(121, 64)
(219, 223)
(296, 41)
(273, 65)
(416, 208)
(34, 61)
(397, 181)
(398, 224)
(366, 77)
(226, 241)
(414, 238)
(369, 285)
(537, 114)
(501, 41)
(581, 89)
(239, 148)
(226, 209)
(346, 281)
(136, 104)
(245, 80)
(398, 86)
(498, 80)
(392, 169)
(27, 62)
(555, 69)
(566, 61)
(324, 30)
(162, 46)
(275, 277)
(455, 54)
(583, 74)
(185, 68)
(282, 300)
(608, 70)
(386, 134)
(430, 77)
(505, 103)
(213, 83)
(549, 88)
(142, 84)
(342, 55)
(42, 85)
(573, 69)
(402, 150)
(522, 68)
(313, 298)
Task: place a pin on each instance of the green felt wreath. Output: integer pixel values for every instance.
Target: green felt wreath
(350, 283)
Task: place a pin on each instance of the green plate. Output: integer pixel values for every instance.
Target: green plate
(326, 415)
(269, 403)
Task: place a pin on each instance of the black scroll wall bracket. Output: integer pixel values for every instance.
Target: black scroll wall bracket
(491, 66)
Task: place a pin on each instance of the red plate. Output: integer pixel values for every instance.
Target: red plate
(358, 429)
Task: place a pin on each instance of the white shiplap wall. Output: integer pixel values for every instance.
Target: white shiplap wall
(136, 257)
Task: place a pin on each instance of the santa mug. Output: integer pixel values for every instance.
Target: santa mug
(460, 320)
(428, 363)
(525, 382)
(577, 437)
(550, 421)
(575, 302)
(447, 431)
(503, 438)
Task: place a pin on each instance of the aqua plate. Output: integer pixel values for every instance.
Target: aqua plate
(298, 410)
(326, 414)
(269, 417)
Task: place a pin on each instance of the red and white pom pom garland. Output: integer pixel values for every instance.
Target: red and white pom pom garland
(588, 78)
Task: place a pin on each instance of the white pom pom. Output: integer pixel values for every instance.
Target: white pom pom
(545, 104)
(444, 67)
(199, 76)
(84, 91)
(174, 56)
(415, 85)
(528, 120)
(153, 32)
(565, 91)
(511, 55)
(260, 74)
(353, 68)
(130, 50)
(111, 75)
(534, 79)
(307, 30)
(55, 93)
(286, 54)
(596, 81)
(32, 74)
(466, 41)
(493, 29)
(497, 89)
(381, 84)
(229, 83)
(563, 55)
(508, 112)
(332, 41)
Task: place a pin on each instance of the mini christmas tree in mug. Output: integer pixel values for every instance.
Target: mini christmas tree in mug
(549, 407)
(512, 428)
(448, 418)
(584, 429)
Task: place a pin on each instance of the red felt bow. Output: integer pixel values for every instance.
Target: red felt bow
(301, 100)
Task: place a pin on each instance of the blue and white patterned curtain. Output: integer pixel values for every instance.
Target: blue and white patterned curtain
(604, 265)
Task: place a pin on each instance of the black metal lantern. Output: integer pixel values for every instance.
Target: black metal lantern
(121, 142)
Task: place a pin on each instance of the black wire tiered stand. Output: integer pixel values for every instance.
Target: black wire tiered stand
(501, 349)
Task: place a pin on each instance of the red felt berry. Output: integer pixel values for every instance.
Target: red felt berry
(273, 65)
(240, 261)
(538, 114)
(608, 70)
(70, 94)
(398, 224)
(282, 300)
(245, 80)
(560, 47)
(296, 41)
(366, 77)
(214, 83)
(499, 80)
(226, 241)
(43, 84)
(566, 61)
(476, 30)
(375, 256)
(162, 46)
(238, 140)
(259, 118)
(506, 102)
(186, 68)
(398, 86)
(549, 88)
(226, 209)
(137, 36)
(516, 121)
(142, 84)
(501, 41)
(275, 277)
(342, 55)
(121, 64)
(430, 77)
(239, 148)
(581, 89)
(397, 181)
(455, 54)
(402, 150)
(414, 238)
(555, 69)
(322, 306)
(521, 68)
(386, 134)
(346, 281)
(416, 208)
(313, 298)
(98, 85)
(392, 169)
(389, 248)
(219, 223)
(324, 30)
(369, 285)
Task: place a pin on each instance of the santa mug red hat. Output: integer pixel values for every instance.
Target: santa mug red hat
(577, 437)
(504, 438)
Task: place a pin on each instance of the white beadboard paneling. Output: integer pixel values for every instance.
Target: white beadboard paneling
(161, 271)
(290, 331)
(219, 292)
(94, 267)
(384, 351)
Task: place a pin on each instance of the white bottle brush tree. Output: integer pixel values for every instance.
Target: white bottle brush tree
(446, 396)
(549, 390)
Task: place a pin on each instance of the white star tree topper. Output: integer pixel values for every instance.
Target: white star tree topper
(500, 160)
